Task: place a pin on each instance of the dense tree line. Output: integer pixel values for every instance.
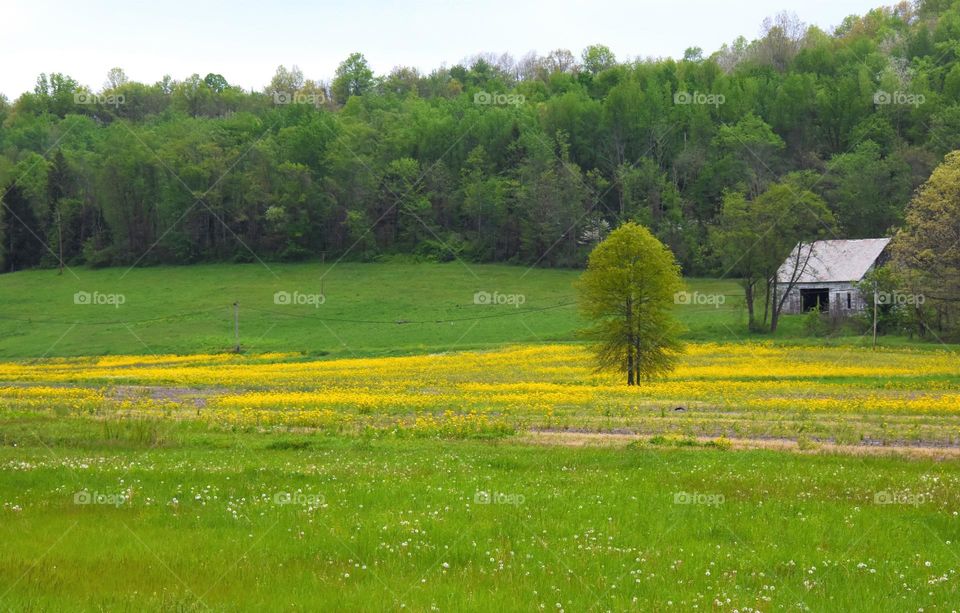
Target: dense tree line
(530, 161)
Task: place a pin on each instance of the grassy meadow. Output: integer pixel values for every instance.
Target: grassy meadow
(366, 309)
(257, 521)
(343, 463)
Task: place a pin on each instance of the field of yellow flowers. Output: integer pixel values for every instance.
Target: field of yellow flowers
(280, 482)
(843, 394)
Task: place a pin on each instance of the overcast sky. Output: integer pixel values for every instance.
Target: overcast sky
(245, 41)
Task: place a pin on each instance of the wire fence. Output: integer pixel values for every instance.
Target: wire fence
(317, 318)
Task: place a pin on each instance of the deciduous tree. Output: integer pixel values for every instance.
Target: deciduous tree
(628, 293)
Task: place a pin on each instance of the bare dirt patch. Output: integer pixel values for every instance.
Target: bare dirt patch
(184, 395)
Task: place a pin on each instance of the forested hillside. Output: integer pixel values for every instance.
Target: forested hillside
(529, 161)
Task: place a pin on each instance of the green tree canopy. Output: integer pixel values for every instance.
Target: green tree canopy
(628, 294)
(353, 78)
(927, 249)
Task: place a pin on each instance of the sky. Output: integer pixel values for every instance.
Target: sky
(245, 41)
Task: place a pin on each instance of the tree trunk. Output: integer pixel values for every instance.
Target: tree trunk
(766, 303)
(777, 307)
(636, 365)
(774, 311)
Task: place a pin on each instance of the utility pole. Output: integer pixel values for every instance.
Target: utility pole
(60, 239)
(236, 326)
(874, 315)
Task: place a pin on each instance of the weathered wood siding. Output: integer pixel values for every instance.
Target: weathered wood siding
(838, 298)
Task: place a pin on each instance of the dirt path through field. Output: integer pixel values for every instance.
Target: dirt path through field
(615, 439)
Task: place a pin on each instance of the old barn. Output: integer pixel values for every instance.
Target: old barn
(824, 274)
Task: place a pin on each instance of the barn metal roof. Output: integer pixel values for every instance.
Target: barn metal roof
(834, 260)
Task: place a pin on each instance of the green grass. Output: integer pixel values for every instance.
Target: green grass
(380, 524)
(106, 512)
(369, 309)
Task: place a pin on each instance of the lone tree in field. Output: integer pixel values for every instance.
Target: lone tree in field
(628, 292)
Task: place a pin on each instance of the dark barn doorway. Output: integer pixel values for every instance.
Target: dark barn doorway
(813, 298)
